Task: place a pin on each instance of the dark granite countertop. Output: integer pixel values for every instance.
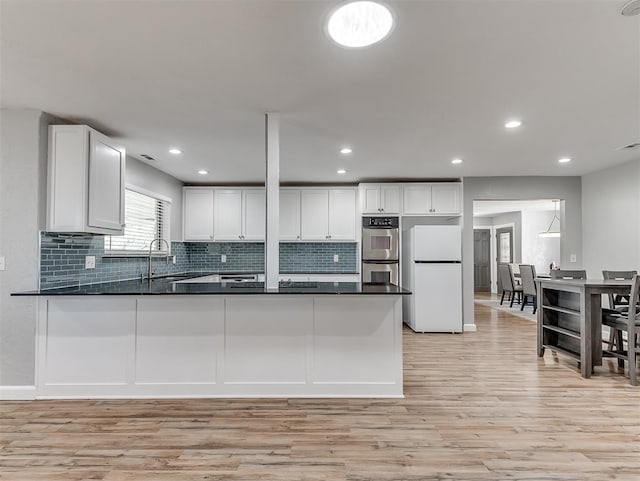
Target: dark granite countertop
(168, 286)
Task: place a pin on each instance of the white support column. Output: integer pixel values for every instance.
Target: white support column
(272, 181)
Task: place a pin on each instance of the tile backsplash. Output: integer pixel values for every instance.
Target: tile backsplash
(62, 259)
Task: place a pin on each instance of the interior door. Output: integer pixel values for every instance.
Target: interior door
(482, 260)
(504, 249)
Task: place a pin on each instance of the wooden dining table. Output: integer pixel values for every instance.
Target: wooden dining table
(570, 317)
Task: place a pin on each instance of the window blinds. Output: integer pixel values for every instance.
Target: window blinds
(145, 220)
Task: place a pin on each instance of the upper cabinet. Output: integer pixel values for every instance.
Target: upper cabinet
(380, 198)
(227, 215)
(254, 208)
(328, 214)
(443, 198)
(198, 214)
(289, 214)
(85, 181)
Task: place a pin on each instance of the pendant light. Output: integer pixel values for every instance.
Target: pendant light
(549, 232)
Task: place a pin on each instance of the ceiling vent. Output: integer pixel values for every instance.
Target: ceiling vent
(631, 8)
(632, 146)
(147, 157)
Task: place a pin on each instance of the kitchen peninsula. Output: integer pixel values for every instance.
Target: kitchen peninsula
(170, 339)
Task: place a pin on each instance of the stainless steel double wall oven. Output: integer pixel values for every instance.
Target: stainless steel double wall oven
(380, 250)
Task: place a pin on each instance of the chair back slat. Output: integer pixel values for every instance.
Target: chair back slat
(527, 276)
(616, 300)
(566, 274)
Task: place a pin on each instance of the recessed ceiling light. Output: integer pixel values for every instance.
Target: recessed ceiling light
(360, 24)
(564, 160)
(203, 172)
(342, 171)
(175, 151)
(456, 161)
(513, 124)
(345, 150)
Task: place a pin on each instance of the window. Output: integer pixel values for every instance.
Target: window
(146, 217)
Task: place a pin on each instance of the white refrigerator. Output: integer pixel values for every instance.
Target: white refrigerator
(432, 271)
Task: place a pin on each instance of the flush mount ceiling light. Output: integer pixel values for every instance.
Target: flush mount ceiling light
(341, 171)
(513, 124)
(564, 160)
(360, 24)
(345, 150)
(203, 172)
(456, 161)
(631, 8)
(549, 232)
(175, 151)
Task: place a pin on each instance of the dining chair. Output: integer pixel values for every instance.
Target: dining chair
(566, 274)
(617, 303)
(508, 283)
(529, 288)
(628, 322)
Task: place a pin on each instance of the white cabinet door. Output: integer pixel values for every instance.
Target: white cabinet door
(106, 184)
(417, 199)
(254, 205)
(390, 199)
(370, 198)
(314, 214)
(289, 215)
(227, 219)
(198, 214)
(445, 199)
(342, 214)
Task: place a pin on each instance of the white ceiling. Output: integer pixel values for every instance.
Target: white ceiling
(200, 74)
(490, 208)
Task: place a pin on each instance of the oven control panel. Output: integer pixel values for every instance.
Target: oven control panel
(380, 222)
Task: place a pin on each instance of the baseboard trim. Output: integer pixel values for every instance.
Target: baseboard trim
(470, 328)
(17, 393)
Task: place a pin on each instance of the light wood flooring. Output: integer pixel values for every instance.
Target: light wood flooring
(478, 406)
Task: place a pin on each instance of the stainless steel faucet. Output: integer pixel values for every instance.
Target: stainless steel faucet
(158, 240)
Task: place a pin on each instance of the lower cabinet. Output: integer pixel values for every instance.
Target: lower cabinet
(218, 346)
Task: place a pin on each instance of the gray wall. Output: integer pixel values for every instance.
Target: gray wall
(521, 188)
(23, 147)
(611, 219)
(145, 176)
(23, 158)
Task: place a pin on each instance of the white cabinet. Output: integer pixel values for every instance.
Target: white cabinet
(85, 181)
(198, 214)
(314, 223)
(289, 215)
(380, 198)
(239, 214)
(253, 214)
(328, 214)
(432, 199)
(446, 198)
(227, 217)
(342, 221)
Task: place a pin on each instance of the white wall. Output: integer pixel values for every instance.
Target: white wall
(145, 176)
(536, 250)
(23, 148)
(611, 219)
(521, 188)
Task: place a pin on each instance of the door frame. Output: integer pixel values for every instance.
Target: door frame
(494, 253)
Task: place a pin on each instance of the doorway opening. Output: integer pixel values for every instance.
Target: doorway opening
(507, 234)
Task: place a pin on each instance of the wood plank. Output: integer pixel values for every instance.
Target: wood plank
(479, 407)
